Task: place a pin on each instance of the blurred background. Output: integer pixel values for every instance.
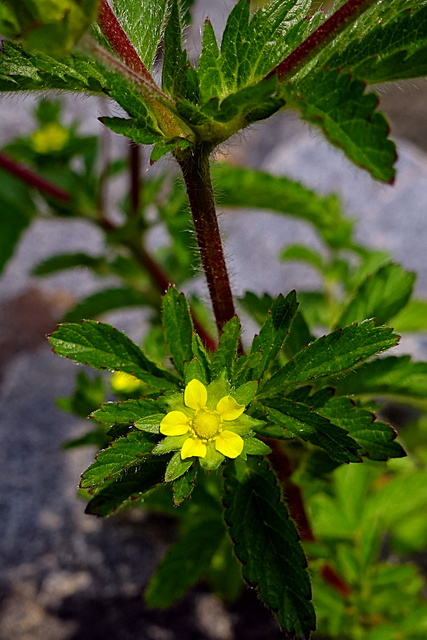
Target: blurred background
(69, 576)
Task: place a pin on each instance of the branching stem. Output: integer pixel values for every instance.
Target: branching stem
(338, 21)
(195, 168)
(33, 179)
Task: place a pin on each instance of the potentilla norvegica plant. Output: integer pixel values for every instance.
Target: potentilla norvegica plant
(240, 437)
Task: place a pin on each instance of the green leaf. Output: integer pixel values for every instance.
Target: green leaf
(174, 73)
(143, 21)
(130, 411)
(131, 484)
(34, 71)
(255, 447)
(66, 261)
(388, 42)
(255, 189)
(124, 453)
(413, 317)
(391, 376)
(178, 328)
(381, 295)
(299, 336)
(377, 439)
(335, 101)
(18, 210)
(334, 353)
(302, 422)
(183, 487)
(184, 564)
(212, 83)
(274, 331)
(225, 355)
(104, 301)
(137, 130)
(103, 347)
(301, 253)
(256, 306)
(177, 467)
(267, 544)
(53, 26)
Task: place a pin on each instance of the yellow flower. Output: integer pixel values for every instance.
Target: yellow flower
(51, 137)
(207, 422)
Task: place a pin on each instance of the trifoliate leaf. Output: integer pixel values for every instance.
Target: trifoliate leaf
(381, 295)
(301, 421)
(104, 347)
(377, 439)
(267, 544)
(332, 354)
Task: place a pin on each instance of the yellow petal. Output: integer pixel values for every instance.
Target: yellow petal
(229, 444)
(175, 423)
(193, 447)
(229, 409)
(195, 395)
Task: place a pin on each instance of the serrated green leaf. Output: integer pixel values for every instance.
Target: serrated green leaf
(104, 301)
(212, 83)
(137, 131)
(302, 422)
(274, 331)
(194, 370)
(177, 467)
(131, 484)
(299, 335)
(183, 487)
(254, 447)
(178, 328)
(122, 454)
(267, 545)
(176, 78)
(129, 411)
(66, 261)
(391, 376)
(185, 562)
(335, 101)
(34, 71)
(377, 439)
(245, 393)
(250, 188)
(334, 353)
(143, 22)
(381, 295)
(103, 347)
(224, 356)
(257, 306)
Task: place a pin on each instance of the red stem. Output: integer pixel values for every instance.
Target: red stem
(323, 34)
(118, 39)
(33, 179)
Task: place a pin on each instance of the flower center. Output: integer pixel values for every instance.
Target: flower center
(206, 423)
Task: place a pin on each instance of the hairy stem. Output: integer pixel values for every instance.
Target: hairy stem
(195, 168)
(338, 21)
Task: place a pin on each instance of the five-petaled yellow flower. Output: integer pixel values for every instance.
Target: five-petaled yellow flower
(207, 422)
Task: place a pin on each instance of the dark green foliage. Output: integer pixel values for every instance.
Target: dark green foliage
(267, 544)
(178, 328)
(103, 301)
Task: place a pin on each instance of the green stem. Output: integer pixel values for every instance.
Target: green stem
(195, 168)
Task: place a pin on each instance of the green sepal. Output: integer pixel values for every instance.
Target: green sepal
(267, 544)
(178, 328)
(170, 443)
(212, 459)
(183, 487)
(255, 447)
(177, 467)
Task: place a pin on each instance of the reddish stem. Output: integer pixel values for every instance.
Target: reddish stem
(196, 172)
(118, 39)
(33, 179)
(323, 34)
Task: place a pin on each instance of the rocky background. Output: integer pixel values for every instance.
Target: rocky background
(68, 576)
